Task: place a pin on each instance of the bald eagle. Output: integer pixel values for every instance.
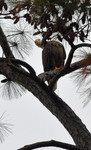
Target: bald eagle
(53, 56)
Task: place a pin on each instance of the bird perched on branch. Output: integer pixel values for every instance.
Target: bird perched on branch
(53, 56)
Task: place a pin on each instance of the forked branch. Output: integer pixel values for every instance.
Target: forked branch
(69, 68)
(56, 74)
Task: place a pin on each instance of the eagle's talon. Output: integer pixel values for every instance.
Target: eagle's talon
(58, 68)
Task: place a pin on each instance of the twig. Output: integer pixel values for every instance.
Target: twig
(83, 45)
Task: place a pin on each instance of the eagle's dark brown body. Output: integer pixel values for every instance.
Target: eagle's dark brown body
(53, 55)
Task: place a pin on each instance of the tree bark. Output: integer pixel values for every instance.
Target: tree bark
(4, 44)
(51, 143)
(52, 102)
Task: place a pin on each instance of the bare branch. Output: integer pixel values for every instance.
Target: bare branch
(4, 45)
(69, 59)
(67, 69)
(56, 74)
(68, 62)
(15, 62)
(83, 45)
(51, 143)
(24, 64)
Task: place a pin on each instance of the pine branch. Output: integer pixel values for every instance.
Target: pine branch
(51, 143)
(52, 102)
(67, 68)
(56, 74)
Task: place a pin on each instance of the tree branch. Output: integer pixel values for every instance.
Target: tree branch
(52, 102)
(56, 74)
(50, 144)
(24, 64)
(70, 56)
(15, 64)
(83, 45)
(67, 67)
(65, 71)
(4, 44)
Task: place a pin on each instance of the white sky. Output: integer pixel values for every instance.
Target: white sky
(32, 122)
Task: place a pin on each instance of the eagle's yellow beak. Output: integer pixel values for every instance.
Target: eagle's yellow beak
(38, 42)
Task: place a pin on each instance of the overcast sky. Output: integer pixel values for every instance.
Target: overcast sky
(32, 122)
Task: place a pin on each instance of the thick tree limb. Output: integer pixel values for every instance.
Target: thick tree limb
(15, 64)
(24, 64)
(4, 44)
(52, 102)
(56, 74)
(51, 143)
